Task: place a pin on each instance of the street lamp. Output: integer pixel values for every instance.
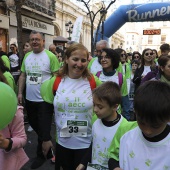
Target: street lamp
(69, 28)
(103, 13)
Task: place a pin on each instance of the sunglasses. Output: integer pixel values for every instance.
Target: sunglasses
(122, 55)
(148, 54)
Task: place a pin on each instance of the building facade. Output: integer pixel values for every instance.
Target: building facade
(68, 11)
(4, 26)
(35, 15)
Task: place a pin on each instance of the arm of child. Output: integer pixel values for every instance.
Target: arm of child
(113, 164)
(17, 129)
(80, 167)
(85, 159)
(4, 143)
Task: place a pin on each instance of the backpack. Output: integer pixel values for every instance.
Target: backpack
(120, 77)
(58, 80)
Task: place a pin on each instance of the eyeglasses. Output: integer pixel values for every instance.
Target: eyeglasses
(104, 57)
(35, 39)
(122, 55)
(136, 56)
(148, 54)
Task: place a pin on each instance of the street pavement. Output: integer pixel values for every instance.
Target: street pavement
(30, 149)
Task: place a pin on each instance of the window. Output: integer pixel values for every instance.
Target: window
(151, 24)
(133, 37)
(164, 23)
(163, 39)
(150, 39)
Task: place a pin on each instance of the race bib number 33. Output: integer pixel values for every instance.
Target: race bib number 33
(74, 128)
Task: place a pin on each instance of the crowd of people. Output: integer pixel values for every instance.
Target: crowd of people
(111, 109)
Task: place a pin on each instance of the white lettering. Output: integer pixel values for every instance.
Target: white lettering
(134, 16)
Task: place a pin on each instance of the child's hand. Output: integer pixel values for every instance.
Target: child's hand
(4, 143)
(80, 167)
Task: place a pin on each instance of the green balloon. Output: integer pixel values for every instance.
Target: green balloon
(8, 105)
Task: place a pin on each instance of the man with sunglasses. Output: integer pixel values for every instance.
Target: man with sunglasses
(38, 66)
(94, 66)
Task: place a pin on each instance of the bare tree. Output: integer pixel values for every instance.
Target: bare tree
(18, 5)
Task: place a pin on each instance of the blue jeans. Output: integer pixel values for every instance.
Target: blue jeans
(126, 107)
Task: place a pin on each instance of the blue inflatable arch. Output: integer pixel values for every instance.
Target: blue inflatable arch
(135, 13)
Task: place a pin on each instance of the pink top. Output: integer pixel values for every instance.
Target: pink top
(16, 157)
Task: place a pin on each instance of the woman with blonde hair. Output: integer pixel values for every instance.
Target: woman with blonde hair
(70, 91)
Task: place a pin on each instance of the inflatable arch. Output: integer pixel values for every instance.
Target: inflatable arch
(135, 13)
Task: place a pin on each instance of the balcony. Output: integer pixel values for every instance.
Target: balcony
(41, 6)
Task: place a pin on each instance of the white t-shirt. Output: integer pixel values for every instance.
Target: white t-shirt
(73, 106)
(146, 70)
(102, 138)
(38, 69)
(136, 153)
(113, 78)
(96, 66)
(14, 60)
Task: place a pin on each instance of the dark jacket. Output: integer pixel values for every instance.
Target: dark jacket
(138, 75)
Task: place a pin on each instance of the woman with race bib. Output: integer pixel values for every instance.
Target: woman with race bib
(71, 93)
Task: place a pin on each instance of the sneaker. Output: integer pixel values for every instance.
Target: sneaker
(37, 162)
(53, 160)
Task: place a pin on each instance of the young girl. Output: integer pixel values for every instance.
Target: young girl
(12, 141)
(134, 66)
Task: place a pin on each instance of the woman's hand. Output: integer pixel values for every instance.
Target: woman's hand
(80, 167)
(46, 147)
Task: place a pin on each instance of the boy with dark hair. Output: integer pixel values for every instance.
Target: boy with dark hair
(106, 99)
(165, 48)
(147, 146)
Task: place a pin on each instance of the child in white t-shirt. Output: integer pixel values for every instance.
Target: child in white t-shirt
(147, 146)
(106, 99)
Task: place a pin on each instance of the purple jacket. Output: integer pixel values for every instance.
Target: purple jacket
(16, 157)
(151, 75)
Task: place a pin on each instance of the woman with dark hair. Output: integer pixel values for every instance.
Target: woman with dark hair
(164, 71)
(147, 65)
(136, 56)
(155, 56)
(14, 62)
(125, 69)
(110, 61)
(124, 66)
